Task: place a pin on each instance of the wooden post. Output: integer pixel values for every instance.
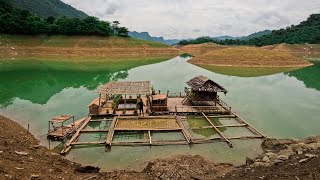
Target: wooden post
(180, 94)
(167, 93)
(125, 103)
(48, 127)
(28, 127)
(150, 141)
(62, 128)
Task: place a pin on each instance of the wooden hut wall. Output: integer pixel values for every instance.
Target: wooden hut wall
(94, 109)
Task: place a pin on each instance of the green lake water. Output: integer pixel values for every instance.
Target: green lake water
(282, 105)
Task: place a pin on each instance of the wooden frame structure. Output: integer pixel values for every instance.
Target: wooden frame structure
(61, 131)
(123, 124)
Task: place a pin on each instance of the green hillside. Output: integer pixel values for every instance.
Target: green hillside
(306, 32)
(46, 8)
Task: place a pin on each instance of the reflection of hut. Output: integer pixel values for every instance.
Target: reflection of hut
(159, 103)
(203, 91)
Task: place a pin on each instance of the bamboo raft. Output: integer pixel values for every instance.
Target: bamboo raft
(176, 107)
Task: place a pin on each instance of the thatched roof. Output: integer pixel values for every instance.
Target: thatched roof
(202, 83)
(130, 88)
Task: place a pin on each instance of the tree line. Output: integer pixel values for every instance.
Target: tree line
(17, 21)
(306, 32)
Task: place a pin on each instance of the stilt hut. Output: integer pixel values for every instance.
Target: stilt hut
(203, 91)
(126, 95)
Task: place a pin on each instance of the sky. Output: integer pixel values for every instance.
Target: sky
(181, 19)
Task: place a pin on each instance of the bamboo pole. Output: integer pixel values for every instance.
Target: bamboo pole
(185, 133)
(223, 116)
(219, 132)
(147, 129)
(150, 141)
(256, 131)
(111, 132)
(86, 143)
(88, 131)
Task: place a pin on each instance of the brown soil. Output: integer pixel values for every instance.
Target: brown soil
(199, 49)
(297, 50)
(249, 57)
(22, 158)
(89, 52)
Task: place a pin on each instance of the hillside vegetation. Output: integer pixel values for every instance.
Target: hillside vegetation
(249, 57)
(17, 21)
(306, 32)
(47, 8)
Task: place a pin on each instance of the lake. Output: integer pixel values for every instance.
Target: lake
(281, 105)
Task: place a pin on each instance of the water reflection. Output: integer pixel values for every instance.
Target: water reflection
(309, 75)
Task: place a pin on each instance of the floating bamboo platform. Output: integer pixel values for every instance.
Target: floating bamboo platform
(163, 113)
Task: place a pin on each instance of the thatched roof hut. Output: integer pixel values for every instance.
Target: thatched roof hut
(204, 91)
(202, 83)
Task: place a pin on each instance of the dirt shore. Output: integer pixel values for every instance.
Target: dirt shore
(242, 56)
(22, 158)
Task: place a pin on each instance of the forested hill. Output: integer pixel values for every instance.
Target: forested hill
(306, 32)
(17, 21)
(47, 8)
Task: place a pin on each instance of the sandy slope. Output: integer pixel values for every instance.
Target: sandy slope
(242, 56)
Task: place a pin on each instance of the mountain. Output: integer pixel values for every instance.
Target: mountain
(146, 36)
(254, 35)
(46, 8)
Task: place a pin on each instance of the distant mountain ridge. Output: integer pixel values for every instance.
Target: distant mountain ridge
(146, 36)
(46, 8)
(254, 35)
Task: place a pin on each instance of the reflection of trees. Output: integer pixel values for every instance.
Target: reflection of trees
(196, 122)
(38, 86)
(309, 75)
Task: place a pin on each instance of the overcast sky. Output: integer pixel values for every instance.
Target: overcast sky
(194, 18)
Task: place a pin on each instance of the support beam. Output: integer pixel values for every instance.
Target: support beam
(251, 127)
(150, 141)
(87, 143)
(219, 132)
(147, 129)
(111, 133)
(185, 132)
(75, 136)
(222, 126)
(223, 116)
(93, 131)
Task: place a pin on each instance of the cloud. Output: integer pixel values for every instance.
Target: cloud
(192, 18)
